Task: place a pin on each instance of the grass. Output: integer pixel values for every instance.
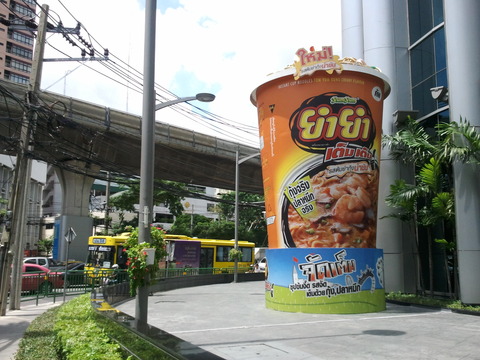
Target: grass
(428, 301)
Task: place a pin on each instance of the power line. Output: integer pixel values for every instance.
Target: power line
(134, 78)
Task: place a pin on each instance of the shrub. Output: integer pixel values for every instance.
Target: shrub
(39, 341)
(428, 301)
(139, 273)
(75, 330)
(79, 336)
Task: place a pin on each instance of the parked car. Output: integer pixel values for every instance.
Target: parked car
(39, 278)
(47, 262)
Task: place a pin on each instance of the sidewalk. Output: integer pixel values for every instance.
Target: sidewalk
(14, 324)
(231, 321)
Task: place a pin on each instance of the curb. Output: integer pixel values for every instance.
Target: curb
(459, 311)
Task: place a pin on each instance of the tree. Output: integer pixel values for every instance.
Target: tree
(252, 225)
(165, 192)
(429, 201)
(460, 142)
(45, 245)
(190, 225)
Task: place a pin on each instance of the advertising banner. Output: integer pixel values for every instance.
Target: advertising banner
(327, 281)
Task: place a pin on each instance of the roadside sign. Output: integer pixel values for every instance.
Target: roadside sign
(70, 235)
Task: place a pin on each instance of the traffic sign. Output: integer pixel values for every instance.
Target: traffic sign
(70, 235)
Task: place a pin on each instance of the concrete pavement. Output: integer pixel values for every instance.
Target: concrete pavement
(14, 324)
(231, 321)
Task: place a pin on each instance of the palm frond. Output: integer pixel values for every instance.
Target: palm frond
(444, 205)
(430, 175)
(460, 141)
(411, 143)
(403, 196)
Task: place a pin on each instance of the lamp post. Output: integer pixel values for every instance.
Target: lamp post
(148, 147)
(204, 97)
(145, 210)
(238, 161)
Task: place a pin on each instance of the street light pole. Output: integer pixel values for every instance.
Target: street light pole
(148, 148)
(238, 161)
(145, 211)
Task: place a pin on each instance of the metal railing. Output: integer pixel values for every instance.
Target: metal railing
(177, 272)
(53, 285)
(56, 285)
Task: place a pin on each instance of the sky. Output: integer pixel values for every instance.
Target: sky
(217, 46)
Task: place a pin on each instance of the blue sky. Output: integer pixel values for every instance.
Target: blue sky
(216, 46)
(163, 5)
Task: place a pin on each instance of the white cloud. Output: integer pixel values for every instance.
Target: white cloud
(216, 46)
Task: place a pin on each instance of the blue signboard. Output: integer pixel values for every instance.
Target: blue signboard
(325, 280)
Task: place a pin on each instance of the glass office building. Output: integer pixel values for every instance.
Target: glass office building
(423, 45)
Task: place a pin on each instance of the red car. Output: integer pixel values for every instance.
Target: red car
(39, 278)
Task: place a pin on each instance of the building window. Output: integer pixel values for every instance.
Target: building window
(437, 12)
(20, 9)
(423, 15)
(19, 51)
(22, 38)
(428, 61)
(18, 65)
(222, 253)
(16, 78)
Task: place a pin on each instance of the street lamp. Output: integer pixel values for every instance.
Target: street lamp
(148, 148)
(204, 97)
(238, 161)
(146, 191)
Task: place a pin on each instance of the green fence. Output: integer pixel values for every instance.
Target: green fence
(57, 285)
(177, 272)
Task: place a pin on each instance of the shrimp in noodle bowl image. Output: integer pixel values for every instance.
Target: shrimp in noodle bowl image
(345, 210)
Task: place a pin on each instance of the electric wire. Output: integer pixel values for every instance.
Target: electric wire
(44, 126)
(75, 152)
(134, 78)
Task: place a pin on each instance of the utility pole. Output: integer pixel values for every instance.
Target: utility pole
(12, 241)
(23, 168)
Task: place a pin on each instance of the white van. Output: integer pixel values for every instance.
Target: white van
(43, 261)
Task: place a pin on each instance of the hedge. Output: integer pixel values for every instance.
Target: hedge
(75, 331)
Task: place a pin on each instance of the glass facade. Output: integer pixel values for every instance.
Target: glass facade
(427, 53)
(428, 64)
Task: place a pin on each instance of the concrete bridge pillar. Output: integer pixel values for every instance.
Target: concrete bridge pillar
(75, 211)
